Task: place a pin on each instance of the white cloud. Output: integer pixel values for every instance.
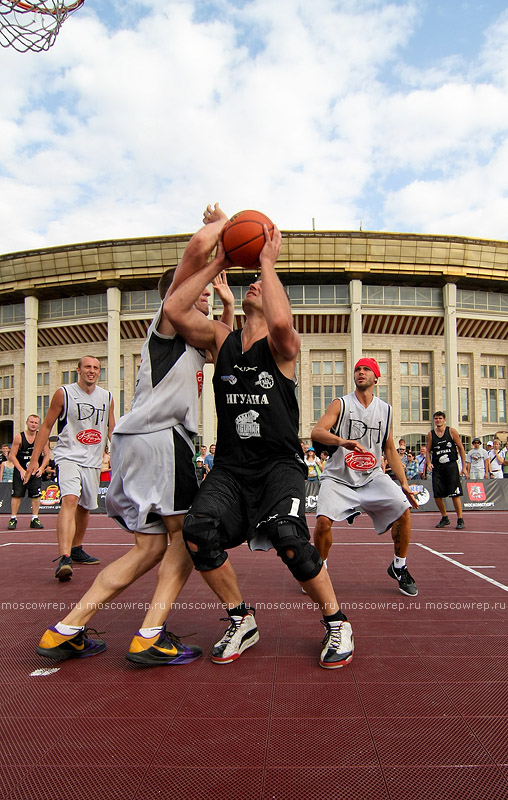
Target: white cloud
(302, 110)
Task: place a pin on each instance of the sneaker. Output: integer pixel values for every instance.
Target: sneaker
(36, 523)
(460, 524)
(443, 522)
(338, 645)
(13, 522)
(79, 556)
(58, 646)
(64, 569)
(165, 648)
(406, 581)
(241, 634)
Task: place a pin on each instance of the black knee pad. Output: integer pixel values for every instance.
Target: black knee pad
(296, 551)
(203, 532)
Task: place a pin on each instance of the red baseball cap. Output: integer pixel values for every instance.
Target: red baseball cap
(371, 363)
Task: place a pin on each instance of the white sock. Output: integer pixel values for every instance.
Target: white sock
(34, 516)
(325, 562)
(68, 630)
(399, 562)
(149, 633)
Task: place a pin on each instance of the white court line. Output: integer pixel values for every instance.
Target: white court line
(482, 566)
(446, 553)
(462, 566)
(52, 544)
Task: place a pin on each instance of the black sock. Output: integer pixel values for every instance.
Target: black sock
(337, 617)
(239, 611)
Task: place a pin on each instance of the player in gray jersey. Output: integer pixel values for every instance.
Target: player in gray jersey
(353, 480)
(153, 480)
(85, 420)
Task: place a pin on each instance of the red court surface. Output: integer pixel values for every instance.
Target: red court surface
(421, 712)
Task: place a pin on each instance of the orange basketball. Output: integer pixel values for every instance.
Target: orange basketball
(243, 237)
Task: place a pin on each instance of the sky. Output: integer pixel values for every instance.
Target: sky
(330, 114)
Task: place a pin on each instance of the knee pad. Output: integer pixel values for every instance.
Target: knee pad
(296, 551)
(203, 532)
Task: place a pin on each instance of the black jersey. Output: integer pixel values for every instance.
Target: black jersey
(444, 449)
(25, 451)
(256, 408)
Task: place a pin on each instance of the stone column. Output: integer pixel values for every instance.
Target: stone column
(114, 304)
(451, 356)
(31, 328)
(355, 300)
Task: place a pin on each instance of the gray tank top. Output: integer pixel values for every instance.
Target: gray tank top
(168, 385)
(370, 427)
(83, 426)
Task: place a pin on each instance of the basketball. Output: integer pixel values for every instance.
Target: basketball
(243, 237)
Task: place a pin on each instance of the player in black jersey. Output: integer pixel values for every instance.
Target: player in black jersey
(256, 490)
(21, 453)
(443, 450)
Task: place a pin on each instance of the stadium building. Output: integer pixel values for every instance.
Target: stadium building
(433, 311)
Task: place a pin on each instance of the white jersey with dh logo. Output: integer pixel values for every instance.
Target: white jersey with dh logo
(83, 426)
(370, 427)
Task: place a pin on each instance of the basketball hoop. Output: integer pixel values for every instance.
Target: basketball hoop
(26, 25)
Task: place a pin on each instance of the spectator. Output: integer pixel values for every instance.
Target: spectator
(313, 468)
(208, 461)
(496, 459)
(323, 458)
(420, 460)
(402, 451)
(5, 451)
(6, 469)
(477, 462)
(411, 467)
(200, 469)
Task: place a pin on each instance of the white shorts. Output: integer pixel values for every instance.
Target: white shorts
(152, 476)
(497, 473)
(82, 482)
(476, 474)
(382, 499)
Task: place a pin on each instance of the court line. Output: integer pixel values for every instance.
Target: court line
(463, 566)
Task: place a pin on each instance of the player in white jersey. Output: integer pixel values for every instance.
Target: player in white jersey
(354, 481)
(85, 420)
(153, 479)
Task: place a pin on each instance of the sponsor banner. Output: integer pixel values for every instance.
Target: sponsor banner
(491, 495)
(50, 499)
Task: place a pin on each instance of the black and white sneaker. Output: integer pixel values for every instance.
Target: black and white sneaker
(406, 581)
(241, 634)
(338, 645)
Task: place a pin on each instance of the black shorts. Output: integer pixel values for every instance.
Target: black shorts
(446, 480)
(32, 488)
(246, 505)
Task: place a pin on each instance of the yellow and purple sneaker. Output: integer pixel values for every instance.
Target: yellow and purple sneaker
(59, 647)
(163, 649)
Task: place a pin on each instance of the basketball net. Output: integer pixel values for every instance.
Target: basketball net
(26, 25)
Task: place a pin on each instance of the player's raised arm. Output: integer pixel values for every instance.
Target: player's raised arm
(180, 307)
(201, 244)
(276, 308)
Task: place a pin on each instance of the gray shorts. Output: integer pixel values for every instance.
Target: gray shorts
(152, 476)
(82, 482)
(382, 499)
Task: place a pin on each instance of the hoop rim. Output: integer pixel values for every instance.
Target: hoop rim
(24, 5)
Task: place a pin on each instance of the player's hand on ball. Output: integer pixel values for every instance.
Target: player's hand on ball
(271, 247)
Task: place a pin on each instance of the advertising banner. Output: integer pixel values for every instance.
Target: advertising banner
(490, 495)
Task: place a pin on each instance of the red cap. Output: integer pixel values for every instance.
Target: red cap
(371, 363)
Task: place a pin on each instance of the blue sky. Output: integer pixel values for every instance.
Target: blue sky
(388, 115)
